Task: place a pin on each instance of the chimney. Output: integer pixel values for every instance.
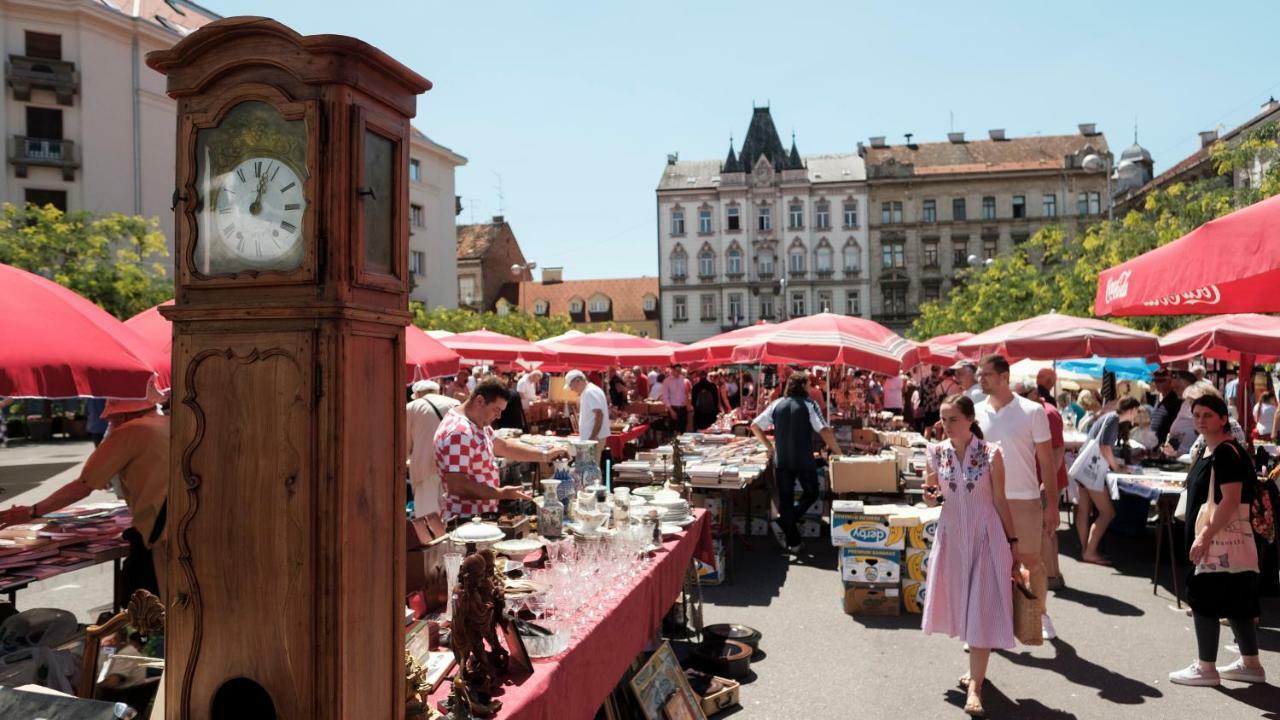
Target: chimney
(878, 142)
(997, 134)
(956, 137)
(672, 158)
(1088, 129)
(552, 275)
(1208, 137)
(498, 219)
(1270, 104)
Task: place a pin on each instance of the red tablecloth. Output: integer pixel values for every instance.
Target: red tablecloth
(575, 683)
(617, 441)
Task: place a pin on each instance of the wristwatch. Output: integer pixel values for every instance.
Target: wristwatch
(1013, 540)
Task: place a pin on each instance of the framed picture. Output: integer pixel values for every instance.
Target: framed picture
(658, 682)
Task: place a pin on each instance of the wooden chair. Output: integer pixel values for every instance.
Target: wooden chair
(145, 614)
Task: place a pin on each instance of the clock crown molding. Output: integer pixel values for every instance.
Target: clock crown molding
(341, 57)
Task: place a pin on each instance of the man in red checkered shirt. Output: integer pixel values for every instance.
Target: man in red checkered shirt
(465, 449)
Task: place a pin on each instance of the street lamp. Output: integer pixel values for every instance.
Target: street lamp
(1093, 163)
(517, 269)
(782, 298)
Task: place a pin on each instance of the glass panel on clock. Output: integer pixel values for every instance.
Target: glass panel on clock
(251, 175)
(377, 200)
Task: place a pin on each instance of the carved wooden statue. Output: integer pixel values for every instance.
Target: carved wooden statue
(473, 623)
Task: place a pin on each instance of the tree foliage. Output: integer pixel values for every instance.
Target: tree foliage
(1054, 271)
(515, 323)
(114, 260)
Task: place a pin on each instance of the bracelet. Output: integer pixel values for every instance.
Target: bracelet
(1013, 540)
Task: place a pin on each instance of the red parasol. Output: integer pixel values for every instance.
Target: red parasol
(609, 348)
(942, 350)
(1228, 265)
(496, 347)
(830, 339)
(58, 344)
(718, 349)
(1225, 337)
(157, 333)
(425, 357)
(1061, 337)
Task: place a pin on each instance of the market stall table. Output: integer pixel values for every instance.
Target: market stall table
(71, 539)
(1163, 488)
(576, 683)
(617, 441)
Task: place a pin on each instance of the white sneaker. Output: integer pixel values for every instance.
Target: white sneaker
(1238, 672)
(1194, 676)
(1047, 631)
(966, 647)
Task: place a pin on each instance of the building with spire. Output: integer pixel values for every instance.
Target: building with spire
(765, 234)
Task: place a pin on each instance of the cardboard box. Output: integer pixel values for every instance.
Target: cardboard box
(917, 565)
(713, 504)
(922, 536)
(852, 523)
(870, 567)
(810, 527)
(759, 527)
(913, 594)
(864, 474)
(712, 574)
(872, 601)
(739, 525)
(759, 502)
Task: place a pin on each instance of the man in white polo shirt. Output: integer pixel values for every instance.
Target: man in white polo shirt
(1021, 428)
(593, 409)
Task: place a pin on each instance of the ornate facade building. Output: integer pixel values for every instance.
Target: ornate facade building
(767, 234)
(940, 208)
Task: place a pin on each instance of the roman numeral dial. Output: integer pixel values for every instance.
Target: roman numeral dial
(258, 211)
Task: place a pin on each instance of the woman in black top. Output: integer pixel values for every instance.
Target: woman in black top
(1217, 595)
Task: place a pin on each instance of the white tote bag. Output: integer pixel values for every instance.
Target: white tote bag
(1090, 468)
(1232, 549)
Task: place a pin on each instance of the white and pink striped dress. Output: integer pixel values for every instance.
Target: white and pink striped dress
(969, 592)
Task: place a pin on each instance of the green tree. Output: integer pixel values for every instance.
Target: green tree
(115, 260)
(1056, 272)
(515, 323)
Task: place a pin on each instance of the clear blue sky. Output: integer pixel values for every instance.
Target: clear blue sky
(576, 104)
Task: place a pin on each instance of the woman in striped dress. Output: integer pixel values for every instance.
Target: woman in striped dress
(969, 593)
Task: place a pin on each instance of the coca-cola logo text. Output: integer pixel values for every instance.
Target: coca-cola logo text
(1208, 295)
(1118, 287)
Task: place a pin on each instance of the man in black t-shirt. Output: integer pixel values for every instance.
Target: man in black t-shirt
(1167, 407)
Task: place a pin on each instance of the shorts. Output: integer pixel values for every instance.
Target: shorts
(1028, 524)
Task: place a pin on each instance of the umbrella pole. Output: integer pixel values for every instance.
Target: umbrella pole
(1244, 388)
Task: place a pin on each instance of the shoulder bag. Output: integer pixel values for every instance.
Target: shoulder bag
(1232, 549)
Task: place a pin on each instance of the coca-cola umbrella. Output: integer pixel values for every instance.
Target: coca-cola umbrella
(59, 344)
(718, 349)
(1227, 265)
(425, 357)
(495, 347)
(941, 350)
(1060, 337)
(609, 348)
(1245, 338)
(830, 339)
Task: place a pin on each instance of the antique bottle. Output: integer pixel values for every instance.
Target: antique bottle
(551, 512)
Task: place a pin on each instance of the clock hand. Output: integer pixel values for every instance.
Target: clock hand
(256, 206)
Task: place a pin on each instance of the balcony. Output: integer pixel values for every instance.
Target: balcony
(678, 279)
(24, 74)
(27, 151)
(824, 273)
(797, 274)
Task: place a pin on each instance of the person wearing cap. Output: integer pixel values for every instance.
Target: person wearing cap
(1168, 405)
(422, 417)
(137, 451)
(593, 409)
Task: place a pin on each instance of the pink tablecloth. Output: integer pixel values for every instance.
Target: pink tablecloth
(574, 684)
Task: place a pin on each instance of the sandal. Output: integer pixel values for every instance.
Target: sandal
(973, 708)
(963, 682)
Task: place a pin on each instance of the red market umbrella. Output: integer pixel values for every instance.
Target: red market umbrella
(1225, 337)
(59, 344)
(425, 357)
(941, 350)
(1228, 265)
(718, 349)
(495, 347)
(830, 339)
(608, 348)
(157, 333)
(1060, 337)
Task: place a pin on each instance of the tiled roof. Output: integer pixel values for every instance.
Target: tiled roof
(702, 174)
(976, 156)
(474, 240)
(626, 296)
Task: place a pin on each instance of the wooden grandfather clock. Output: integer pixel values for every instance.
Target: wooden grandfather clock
(284, 583)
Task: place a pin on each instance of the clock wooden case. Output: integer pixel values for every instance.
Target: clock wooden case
(284, 581)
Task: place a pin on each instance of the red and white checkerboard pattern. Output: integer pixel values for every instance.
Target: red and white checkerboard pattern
(464, 447)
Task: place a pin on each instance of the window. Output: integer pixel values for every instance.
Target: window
(851, 213)
(677, 222)
(733, 262)
(732, 219)
(960, 251)
(894, 254)
(40, 198)
(795, 214)
(797, 304)
(599, 304)
(957, 209)
(43, 45)
(708, 302)
(415, 171)
(990, 246)
(541, 307)
(766, 308)
(824, 301)
(466, 290)
(1095, 203)
(44, 123)
(852, 257)
(679, 308)
(822, 259)
(1082, 204)
(929, 211)
(932, 293)
(822, 216)
(416, 216)
(650, 303)
(704, 220)
(852, 303)
(1019, 206)
(765, 261)
(706, 263)
(891, 213)
(764, 220)
(795, 261)
(417, 262)
(735, 315)
(679, 265)
(930, 247)
(988, 208)
(1049, 205)
(576, 306)
(895, 300)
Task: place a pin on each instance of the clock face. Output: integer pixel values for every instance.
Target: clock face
(259, 207)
